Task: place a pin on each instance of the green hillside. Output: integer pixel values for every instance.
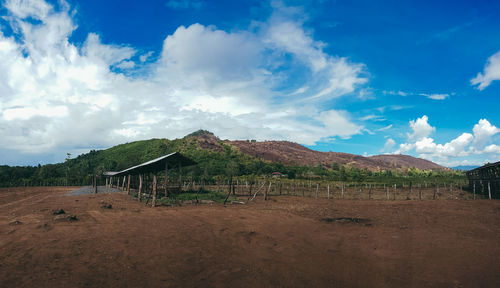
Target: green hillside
(212, 164)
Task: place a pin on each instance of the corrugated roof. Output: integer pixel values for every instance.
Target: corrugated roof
(485, 166)
(156, 165)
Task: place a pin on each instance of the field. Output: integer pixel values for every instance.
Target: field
(110, 240)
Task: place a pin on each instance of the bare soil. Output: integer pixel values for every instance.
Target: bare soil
(109, 240)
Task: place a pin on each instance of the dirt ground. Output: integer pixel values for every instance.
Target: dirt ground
(284, 242)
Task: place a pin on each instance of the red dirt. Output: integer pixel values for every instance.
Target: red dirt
(287, 241)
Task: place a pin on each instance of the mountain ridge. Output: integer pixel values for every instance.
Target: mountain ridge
(291, 153)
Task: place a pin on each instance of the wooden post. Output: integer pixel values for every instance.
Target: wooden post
(328, 191)
(166, 179)
(451, 190)
(410, 190)
(370, 192)
(95, 184)
(267, 188)
(387, 192)
(474, 190)
(140, 188)
(394, 196)
(302, 189)
(343, 187)
(128, 185)
(281, 186)
(153, 203)
(317, 188)
(420, 191)
(180, 177)
(436, 188)
(489, 190)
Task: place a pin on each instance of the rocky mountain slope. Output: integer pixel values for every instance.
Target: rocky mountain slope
(290, 153)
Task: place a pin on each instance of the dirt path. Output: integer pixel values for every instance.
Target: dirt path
(292, 242)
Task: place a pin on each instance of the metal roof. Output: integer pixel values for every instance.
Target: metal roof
(156, 165)
(109, 173)
(485, 166)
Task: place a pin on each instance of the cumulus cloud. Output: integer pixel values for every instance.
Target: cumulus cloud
(389, 145)
(448, 154)
(421, 128)
(490, 73)
(57, 97)
(483, 131)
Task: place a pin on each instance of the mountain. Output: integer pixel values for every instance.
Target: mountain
(216, 158)
(408, 161)
(290, 153)
(464, 168)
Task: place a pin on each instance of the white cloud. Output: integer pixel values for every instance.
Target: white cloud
(400, 93)
(490, 73)
(385, 128)
(338, 123)
(449, 154)
(389, 145)
(38, 9)
(56, 97)
(146, 56)
(126, 64)
(493, 148)
(336, 75)
(435, 96)
(421, 128)
(483, 131)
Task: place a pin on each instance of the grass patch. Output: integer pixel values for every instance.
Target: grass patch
(192, 195)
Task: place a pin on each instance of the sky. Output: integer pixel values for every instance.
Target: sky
(366, 77)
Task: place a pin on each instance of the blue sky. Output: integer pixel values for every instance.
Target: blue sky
(365, 77)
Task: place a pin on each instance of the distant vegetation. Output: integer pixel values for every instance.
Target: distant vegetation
(213, 165)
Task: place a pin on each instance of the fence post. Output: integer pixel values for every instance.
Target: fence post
(370, 192)
(140, 188)
(317, 188)
(489, 190)
(128, 185)
(474, 190)
(153, 203)
(328, 191)
(420, 191)
(436, 189)
(387, 192)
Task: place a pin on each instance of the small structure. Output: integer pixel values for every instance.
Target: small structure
(276, 174)
(164, 163)
(485, 180)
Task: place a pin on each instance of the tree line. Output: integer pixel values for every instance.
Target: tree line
(212, 166)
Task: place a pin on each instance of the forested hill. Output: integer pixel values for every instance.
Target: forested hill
(216, 158)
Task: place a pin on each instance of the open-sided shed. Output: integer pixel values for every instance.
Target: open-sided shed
(164, 163)
(486, 179)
